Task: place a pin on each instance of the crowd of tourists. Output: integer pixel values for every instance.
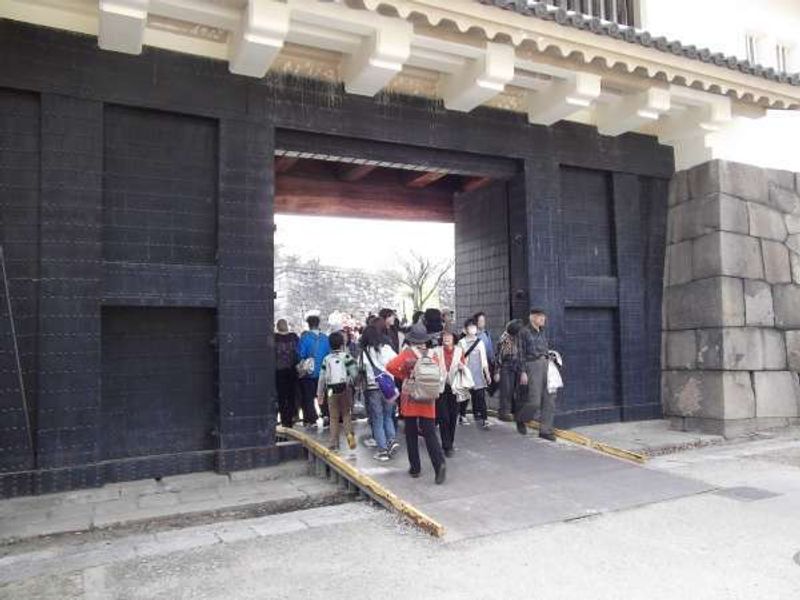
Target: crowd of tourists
(427, 374)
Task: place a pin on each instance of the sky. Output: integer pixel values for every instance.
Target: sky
(364, 243)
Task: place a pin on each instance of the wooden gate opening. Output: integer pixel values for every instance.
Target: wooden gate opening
(324, 176)
(367, 189)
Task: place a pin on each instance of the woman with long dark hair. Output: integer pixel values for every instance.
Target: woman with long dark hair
(375, 354)
(392, 330)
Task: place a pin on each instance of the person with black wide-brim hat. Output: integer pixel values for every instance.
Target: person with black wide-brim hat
(418, 410)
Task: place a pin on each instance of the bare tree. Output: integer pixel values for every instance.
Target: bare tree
(447, 291)
(421, 277)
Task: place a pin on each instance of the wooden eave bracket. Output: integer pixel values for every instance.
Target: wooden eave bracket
(480, 80)
(122, 24)
(380, 57)
(259, 39)
(563, 98)
(633, 111)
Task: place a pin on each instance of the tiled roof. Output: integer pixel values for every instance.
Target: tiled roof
(541, 10)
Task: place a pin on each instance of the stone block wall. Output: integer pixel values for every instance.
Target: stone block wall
(731, 317)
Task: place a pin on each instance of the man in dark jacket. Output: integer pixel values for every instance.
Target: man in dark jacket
(539, 404)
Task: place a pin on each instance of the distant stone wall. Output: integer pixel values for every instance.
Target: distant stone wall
(731, 326)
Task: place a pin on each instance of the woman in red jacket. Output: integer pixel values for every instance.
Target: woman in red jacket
(419, 416)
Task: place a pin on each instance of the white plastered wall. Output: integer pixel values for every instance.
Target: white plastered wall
(772, 141)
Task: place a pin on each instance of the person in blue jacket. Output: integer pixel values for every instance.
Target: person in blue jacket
(313, 344)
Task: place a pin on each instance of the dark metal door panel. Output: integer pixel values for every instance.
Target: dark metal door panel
(482, 255)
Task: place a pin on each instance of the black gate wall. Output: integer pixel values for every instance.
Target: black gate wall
(482, 256)
(136, 196)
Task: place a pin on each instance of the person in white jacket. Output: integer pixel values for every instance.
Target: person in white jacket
(447, 403)
(475, 358)
(376, 353)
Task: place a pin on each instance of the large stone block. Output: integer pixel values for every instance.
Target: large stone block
(780, 178)
(794, 260)
(793, 350)
(717, 212)
(758, 303)
(741, 349)
(786, 302)
(724, 253)
(777, 394)
(743, 181)
(793, 243)
(678, 189)
(708, 394)
(784, 199)
(712, 302)
(792, 223)
(766, 222)
(681, 349)
(679, 263)
(776, 262)
(703, 179)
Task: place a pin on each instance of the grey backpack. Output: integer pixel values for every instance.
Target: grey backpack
(425, 381)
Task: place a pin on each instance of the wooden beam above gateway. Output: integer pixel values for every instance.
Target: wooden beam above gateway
(421, 179)
(475, 183)
(354, 172)
(284, 163)
(304, 195)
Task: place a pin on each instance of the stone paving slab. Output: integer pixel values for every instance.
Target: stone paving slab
(501, 481)
(652, 438)
(173, 497)
(77, 556)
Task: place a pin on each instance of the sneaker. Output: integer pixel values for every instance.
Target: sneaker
(449, 452)
(441, 474)
(381, 456)
(351, 441)
(370, 442)
(485, 424)
(522, 428)
(393, 447)
(464, 421)
(547, 436)
(413, 474)
(506, 417)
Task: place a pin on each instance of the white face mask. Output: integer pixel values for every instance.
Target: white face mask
(472, 330)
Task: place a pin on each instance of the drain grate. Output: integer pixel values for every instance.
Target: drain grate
(746, 494)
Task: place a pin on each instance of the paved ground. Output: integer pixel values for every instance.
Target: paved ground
(651, 438)
(738, 542)
(173, 500)
(501, 481)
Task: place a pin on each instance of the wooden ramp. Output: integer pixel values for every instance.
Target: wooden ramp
(499, 481)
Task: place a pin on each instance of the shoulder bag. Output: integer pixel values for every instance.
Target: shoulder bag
(383, 380)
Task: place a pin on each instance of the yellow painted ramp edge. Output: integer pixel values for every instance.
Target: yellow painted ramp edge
(582, 440)
(387, 498)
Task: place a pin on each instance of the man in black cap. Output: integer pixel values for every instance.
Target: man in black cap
(539, 403)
